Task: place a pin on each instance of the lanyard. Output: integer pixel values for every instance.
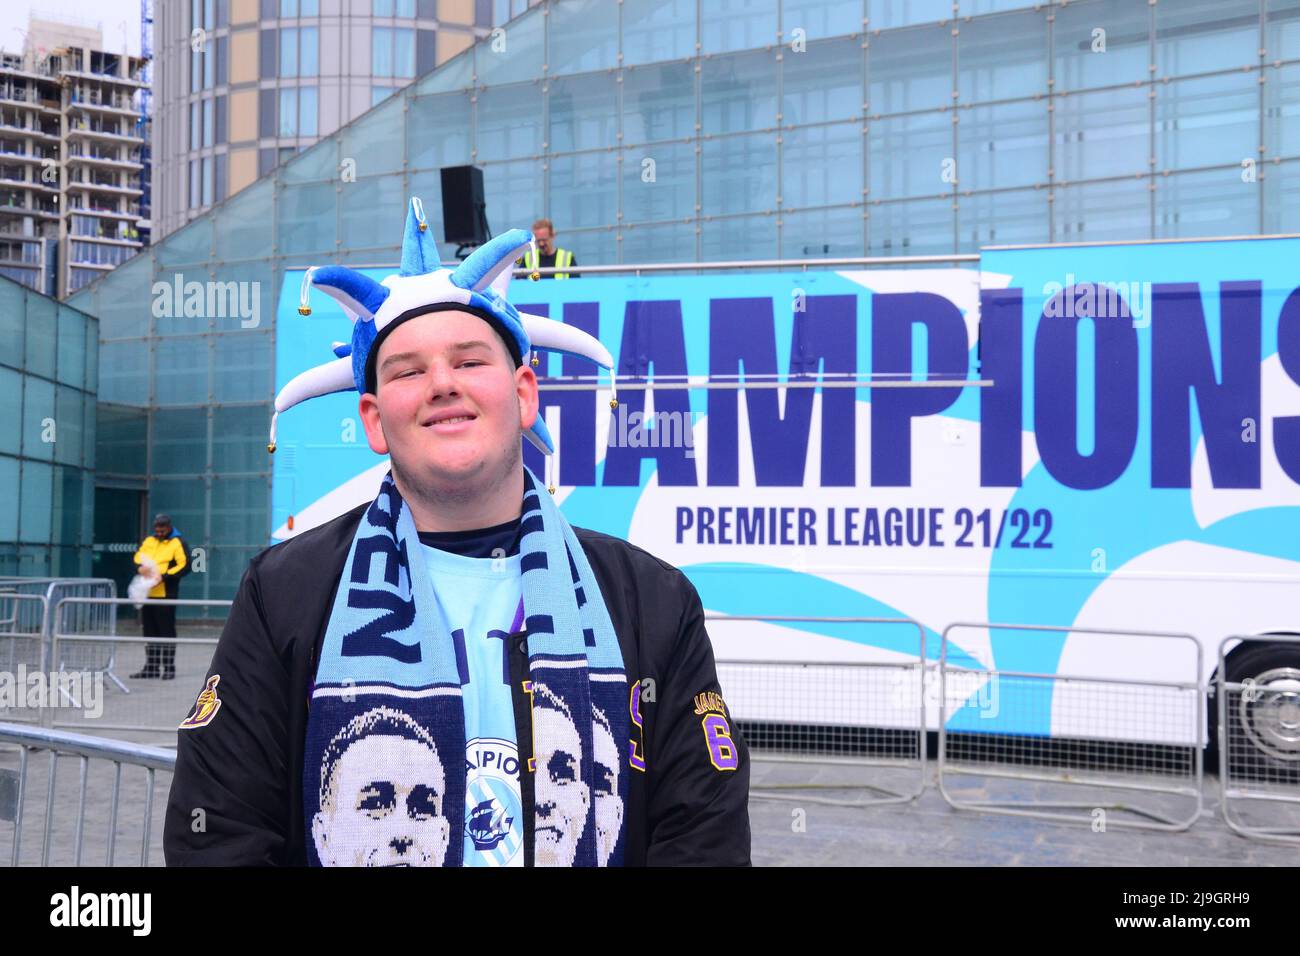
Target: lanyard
(519, 617)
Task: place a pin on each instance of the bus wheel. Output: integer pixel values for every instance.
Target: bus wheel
(1263, 719)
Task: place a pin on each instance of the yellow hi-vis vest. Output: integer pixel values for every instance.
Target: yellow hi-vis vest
(167, 554)
(563, 259)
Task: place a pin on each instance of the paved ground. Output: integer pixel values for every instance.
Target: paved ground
(796, 830)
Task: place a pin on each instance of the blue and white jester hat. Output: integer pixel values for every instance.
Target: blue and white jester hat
(477, 285)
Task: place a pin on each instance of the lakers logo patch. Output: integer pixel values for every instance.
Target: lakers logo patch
(205, 707)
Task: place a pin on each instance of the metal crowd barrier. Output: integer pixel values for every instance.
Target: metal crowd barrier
(153, 707)
(100, 620)
(22, 622)
(863, 714)
(100, 793)
(1259, 747)
(1150, 744)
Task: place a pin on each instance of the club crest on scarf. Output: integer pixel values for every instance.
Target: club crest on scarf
(386, 777)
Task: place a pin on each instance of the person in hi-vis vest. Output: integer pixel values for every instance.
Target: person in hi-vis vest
(548, 255)
(167, 551)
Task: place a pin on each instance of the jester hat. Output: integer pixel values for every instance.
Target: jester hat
(477, 285)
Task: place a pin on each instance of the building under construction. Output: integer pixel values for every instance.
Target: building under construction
(72, 163)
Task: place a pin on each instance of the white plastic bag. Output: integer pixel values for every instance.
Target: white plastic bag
(142, 583)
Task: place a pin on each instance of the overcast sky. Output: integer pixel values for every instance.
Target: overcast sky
(109, 15)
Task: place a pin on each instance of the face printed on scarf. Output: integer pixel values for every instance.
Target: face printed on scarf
(449, 404)
(562, 795)
(386, 806)
(609, 806)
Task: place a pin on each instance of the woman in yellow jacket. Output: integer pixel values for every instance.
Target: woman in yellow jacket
(165, 548)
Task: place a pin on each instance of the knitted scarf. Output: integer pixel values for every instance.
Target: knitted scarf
(384, 775)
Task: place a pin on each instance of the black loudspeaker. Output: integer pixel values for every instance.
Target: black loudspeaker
(464, 210)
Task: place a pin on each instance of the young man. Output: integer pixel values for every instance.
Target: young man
(456, 613)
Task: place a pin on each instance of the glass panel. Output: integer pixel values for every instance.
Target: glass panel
(1281, 185)
(886, 14)
(1207, 121)
(307, 111)
(242, 222)
(742, 237)
(727, 25)
(309, 47)
(239, 438)
(917, 228)
(34, 502)
(738, 174)
(738, 93)
(375, 141)
(515, 54)
(13, 311)
(1282, 111)
(909, 70)
(584, 36)
(1282, 29)
(403, 53)
(381, 51)
(583, 114)
(1001, 146)
(659, 183)
(180, 300)
(818, 19)
(71, 346)
(672, 243)
(90, 377)
(121, 442)
(306, 218)
(823, 83)
(190, 243)
(658, 102)
(180, 441)
(181, 371)
(1213, 203)
(584, 190)
(456, 73)
(42, 331)
(359, 203)
(509, 122)
(1018, 217)
(69, 435)
(1197, 36)
(822, 233)
(513, 192)
(658, 30)
(8, 516)
(11, 410)
(1102, 134)
(65, 507)
(822, 166)
(240, 510)
(124, 374)
(909, 155)
(88, 430)
(249, 291)
(1002, 57)
(314, 164)
(38, 415)
(439, 130)
(1099, 212)
(288, 125)
(185, 499)
(288, 52)
(1100, 44)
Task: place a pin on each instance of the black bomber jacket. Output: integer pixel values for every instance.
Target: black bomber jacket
(242, 767)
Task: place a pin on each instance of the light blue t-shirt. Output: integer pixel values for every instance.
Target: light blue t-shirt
(479, 598)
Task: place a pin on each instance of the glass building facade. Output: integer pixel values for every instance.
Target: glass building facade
(684, 130)
(48, 371)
